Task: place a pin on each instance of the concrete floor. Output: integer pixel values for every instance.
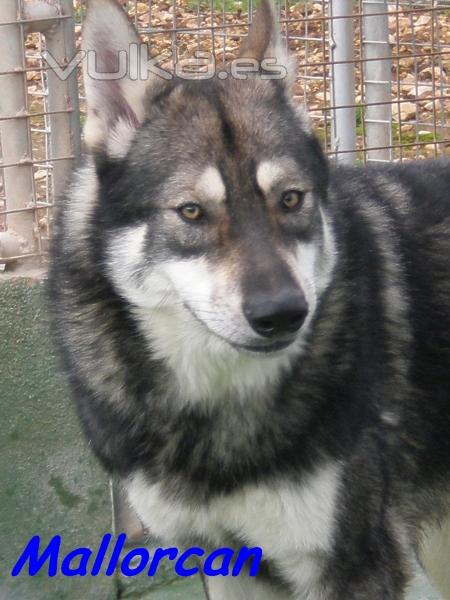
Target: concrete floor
(49, 481)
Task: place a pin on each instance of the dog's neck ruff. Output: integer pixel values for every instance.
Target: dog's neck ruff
(206, 368)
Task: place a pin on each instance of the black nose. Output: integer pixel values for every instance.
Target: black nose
(272, 316)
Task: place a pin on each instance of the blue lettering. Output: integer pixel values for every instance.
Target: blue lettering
(84, 554)
(244, 554)
(36, 562)
(101, 554)
(160, 553)
(127, 559)
(120, 543)
(135, 561)
(224, 569)
(179, 565)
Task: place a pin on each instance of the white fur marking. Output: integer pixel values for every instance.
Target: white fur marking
(125, 261)
(119, 141)
(268, 174)
(211, 186)
(329, 256)
(81, 202)
(435, 553)
(292, 523)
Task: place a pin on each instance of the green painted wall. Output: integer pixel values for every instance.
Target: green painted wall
(50, 483)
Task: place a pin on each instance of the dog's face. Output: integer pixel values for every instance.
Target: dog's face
(214, 196)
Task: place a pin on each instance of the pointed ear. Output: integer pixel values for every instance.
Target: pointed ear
(115, 89)
(264, 42)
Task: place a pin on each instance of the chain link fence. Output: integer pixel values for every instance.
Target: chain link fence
(39, 122)
(374, 75)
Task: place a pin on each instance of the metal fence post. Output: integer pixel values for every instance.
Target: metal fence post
(14, 132)
(343, 90)
(377, 80)
(72, 82)
(63, 100)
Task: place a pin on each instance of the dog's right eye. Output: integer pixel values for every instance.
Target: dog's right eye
(292, 200)
(191, 212)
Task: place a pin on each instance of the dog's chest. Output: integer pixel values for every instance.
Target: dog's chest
(288, 520)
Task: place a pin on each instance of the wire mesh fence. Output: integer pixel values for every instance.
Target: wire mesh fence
(38, 122)
(374, 76)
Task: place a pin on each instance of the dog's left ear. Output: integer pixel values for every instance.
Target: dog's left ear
(264, 42)
(116, 89)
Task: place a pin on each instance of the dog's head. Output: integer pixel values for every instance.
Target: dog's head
(213, 192)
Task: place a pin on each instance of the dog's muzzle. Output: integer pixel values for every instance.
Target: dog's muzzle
(278, 316)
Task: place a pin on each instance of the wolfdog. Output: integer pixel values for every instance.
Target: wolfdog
(258, 342)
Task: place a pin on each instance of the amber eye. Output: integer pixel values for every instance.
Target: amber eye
(191, 212)
(292, 199)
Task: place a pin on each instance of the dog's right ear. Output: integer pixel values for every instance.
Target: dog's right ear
(115, 88)
(264, 41)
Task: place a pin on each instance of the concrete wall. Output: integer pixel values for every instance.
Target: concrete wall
(50, 483)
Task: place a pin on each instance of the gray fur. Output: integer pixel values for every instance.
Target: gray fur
(329, 448)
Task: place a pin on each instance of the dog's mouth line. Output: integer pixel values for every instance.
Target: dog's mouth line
(269, 348)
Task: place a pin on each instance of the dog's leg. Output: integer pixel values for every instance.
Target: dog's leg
(359, 580)
(242, 587)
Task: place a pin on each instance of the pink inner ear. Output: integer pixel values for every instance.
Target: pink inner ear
(114, 103)
(119, 107)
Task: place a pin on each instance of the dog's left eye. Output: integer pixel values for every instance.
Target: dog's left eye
(191, 212)
(292, 200)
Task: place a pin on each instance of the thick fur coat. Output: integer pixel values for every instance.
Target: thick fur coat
(258, 342)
